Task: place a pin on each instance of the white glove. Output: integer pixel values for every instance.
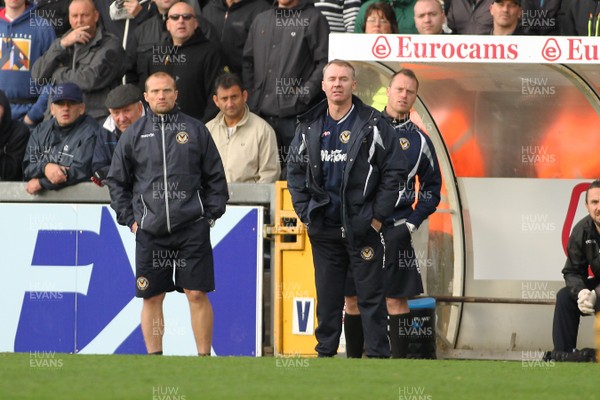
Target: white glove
(586, 300)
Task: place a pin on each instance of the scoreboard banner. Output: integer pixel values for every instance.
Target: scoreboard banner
(69, 284)
(464, 48)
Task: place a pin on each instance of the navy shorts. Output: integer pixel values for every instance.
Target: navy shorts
(181, 260)
(402, 276)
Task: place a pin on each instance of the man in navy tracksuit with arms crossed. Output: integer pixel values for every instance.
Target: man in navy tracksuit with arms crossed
(168, 185)
(344, 173)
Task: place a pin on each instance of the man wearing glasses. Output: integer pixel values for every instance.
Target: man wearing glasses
(153, 31)
(190, 58)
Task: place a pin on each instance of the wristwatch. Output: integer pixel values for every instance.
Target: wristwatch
(211, 222)
(411, 228)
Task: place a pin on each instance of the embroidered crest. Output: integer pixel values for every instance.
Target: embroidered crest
(345, 136)
(182, 137)
(367, 253)
(404, 143)
(142, 283)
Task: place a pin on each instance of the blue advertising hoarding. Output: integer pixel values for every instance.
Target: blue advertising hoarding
(69, 284)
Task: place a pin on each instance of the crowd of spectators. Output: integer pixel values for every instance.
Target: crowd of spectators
(276, 49)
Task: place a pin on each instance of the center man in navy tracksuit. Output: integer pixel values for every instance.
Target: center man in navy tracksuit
(344, 173)
(167, 184)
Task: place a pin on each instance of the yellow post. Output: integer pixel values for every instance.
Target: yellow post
(294, 294)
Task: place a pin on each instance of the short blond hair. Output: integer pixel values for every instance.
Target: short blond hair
(341, 63)
(160, 74)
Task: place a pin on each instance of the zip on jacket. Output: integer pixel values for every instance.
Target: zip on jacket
(164, 154)
(347, 169)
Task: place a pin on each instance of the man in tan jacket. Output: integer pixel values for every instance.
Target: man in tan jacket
(246, 143)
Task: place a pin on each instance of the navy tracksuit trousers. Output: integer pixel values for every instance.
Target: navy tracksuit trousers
(333, 255)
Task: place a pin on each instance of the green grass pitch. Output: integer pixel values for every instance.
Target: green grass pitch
(43, 376)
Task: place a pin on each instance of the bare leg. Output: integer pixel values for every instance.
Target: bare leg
(352, 305)
(153, 323)
(202, 319)
(397, 306)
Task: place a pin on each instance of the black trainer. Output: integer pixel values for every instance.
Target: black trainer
(583, 355)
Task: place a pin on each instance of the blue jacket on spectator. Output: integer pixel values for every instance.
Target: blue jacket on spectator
(24, 40)
(70, 146)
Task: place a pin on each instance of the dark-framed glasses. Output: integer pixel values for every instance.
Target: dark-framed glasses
(186, 17)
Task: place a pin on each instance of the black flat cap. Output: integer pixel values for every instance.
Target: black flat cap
(122, 96)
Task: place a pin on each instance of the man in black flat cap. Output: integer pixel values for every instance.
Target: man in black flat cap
(125, 106)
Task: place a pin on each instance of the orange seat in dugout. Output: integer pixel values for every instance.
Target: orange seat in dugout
(570, 147)
(456, 130)
(465, 155)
